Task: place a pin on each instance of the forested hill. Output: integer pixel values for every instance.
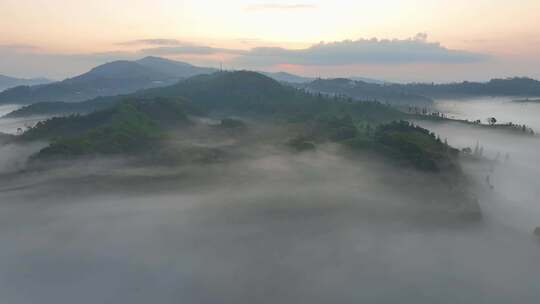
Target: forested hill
(252, 92)
(7, 82)
(231, 91)
(137, 124)
(423, 93)
(518, 86)
(361, 90)
(113, 78)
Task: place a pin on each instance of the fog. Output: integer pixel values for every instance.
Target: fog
(505, 109)
(514, 199)
(270, 226)
(11, 125)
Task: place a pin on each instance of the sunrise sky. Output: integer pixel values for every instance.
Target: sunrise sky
(407, 40)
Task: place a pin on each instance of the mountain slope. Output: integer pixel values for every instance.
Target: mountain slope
(361, 90)
(128, 127)
(254, 93)
(56, 108)
(142, 124)
(242, 91)
(172, 68)
(237, 93)
(287, 77)
(116, 78)
(517, 86)
(7, 82)
(113, 78)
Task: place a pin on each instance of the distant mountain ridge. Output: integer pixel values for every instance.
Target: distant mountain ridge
(514, 86)
(423, 93)
(113, 78)
(120, 77)
(287, 77)
(176, 69)
(126, 77)
(361, 90)
(295, 79)
(7, 82)
(245, 89)
(135, 124)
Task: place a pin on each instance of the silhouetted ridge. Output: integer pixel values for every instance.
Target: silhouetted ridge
(113, 78)
(7, 82)
(242, 90)
(174, 68)
(516, 86)
(364, 91)
(120, 70)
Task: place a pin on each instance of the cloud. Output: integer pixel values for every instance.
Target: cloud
(189, 50)
(165, 47)
(362, 51)
(280, 6)
(386, 58)
(156, 41)
(18, 47)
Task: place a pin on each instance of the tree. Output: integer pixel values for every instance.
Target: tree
(492, 121)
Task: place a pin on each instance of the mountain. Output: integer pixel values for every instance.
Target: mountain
(242, 89)
(420, 93)
(153, 125)
(287, 77)
(178, 127)
(174, 68)
(116, 78)
(239, 91)
(113, 78)
(368, 80)
(295, 79)
(129, 127)
(361, 90)
(134, 123)
(254, 93)
(516, 86)
(60, 108)
(7, 82)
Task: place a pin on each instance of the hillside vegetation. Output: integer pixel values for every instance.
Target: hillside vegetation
(129, 127)
(136, 124)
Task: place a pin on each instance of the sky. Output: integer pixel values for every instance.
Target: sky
(394, 40)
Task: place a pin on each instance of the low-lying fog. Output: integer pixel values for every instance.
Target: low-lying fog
(505, 109)
(516, 181)
(274, 228)
(12, 125)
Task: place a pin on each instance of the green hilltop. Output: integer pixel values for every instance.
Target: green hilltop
(135, 124)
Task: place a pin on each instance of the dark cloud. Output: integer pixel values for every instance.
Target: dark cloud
(158, 41)
(189, 50)
(18, 47)
(280, 6)
(362, 51)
